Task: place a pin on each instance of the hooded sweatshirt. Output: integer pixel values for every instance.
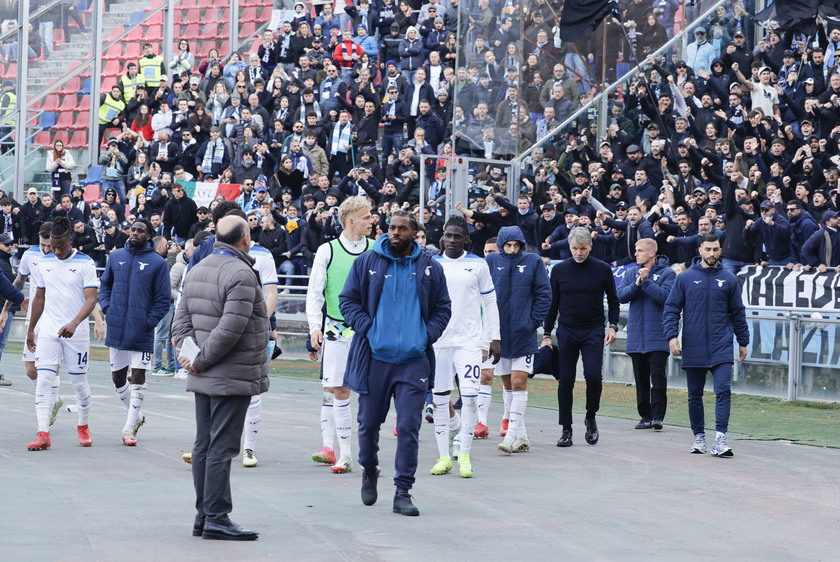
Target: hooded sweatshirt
(399, 306)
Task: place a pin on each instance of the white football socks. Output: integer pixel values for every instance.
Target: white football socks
(485, 394)
(507, 395)
(135, 405)
(343, 425)
(124, 394)
(253, 418)
(43, 393)
(328, 420)
(441, 415)
(82, 388)
(518, 404)
(468, 415)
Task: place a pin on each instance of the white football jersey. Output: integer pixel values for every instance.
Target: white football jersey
(475, 317)
(28, 262)
(64, 283)
(264, 266)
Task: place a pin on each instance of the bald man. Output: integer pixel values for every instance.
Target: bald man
(646, 286)
(223, 312)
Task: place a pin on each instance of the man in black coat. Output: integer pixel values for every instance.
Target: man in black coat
(179, 214)
(189, 149)
(33, 214)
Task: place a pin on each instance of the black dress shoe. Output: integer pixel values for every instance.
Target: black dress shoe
(403, 505)
(198, 526)
(369, 494)
(566, 439)
(657, 425)
(591, 434)
(643, 424)
(223, 529)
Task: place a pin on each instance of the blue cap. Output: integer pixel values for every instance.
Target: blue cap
(124, 225)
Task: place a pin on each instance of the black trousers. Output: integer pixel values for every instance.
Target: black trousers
(340, 164)
(589, 345)
(219, 422)
(651, 384)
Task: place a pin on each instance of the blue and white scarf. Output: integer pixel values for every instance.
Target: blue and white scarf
(340, 136)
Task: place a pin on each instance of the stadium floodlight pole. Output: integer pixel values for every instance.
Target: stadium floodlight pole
(234, 26)
(638, 68)
(168, 32)
(22, 90)
(95, 77)
(455, 86)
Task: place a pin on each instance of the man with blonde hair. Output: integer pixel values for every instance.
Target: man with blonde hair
(331, 335)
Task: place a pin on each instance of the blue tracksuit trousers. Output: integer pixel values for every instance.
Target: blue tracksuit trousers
(408, 385)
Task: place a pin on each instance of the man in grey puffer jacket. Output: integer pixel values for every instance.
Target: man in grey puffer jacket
(223, 309)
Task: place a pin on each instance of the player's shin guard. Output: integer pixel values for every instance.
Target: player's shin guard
(124, 394)
(517, 414)
(54, 391)
(343, 424)
(441, 415)
(253, 419)
(485, 393)
(468, 415)
(328, 420)
(507, 395)
(82, 388)
(138, 393)
(43, 395)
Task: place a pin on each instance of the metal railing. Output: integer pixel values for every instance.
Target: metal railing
(602, 99)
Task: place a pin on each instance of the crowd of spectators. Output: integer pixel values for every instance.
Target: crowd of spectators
(739, 137)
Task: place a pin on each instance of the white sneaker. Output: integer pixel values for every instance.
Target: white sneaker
(699, 446)
(249, 459)
(181, 374)
(720, 448)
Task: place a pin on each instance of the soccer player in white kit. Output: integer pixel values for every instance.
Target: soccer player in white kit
(329, 272)
(28, 262)
(264, 265)
(470, 337)
(66, 295)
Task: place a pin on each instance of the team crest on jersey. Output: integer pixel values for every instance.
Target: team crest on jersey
(428, 270)
(142, 265)
(656, 276)
(372, 272)
(720, 282)
(522, 268)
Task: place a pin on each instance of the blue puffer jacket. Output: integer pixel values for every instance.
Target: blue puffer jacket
(710, 302)
(523, 295)
(134, 294)
(360, 300)
(801, 228)
(647, 301)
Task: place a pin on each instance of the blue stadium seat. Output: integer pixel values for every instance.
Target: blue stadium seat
(136, 18)
(94, 176)
(47, 121)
